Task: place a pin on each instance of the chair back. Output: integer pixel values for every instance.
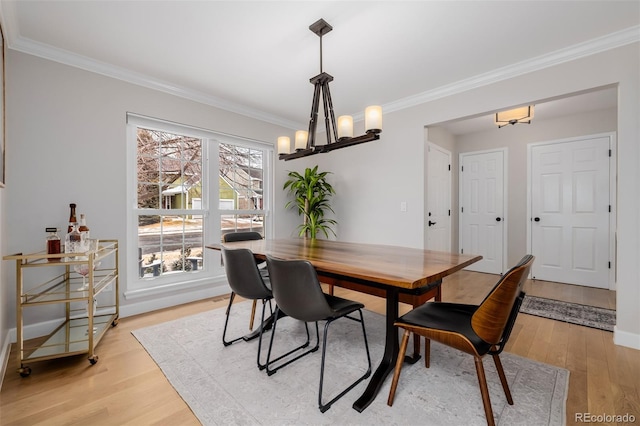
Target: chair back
(297, 290)
(492, 316)
(243, 274)
(241, 236)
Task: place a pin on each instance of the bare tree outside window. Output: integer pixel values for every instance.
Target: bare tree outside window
(169, 168)
(171, 198)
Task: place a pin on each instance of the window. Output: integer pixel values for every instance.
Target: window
(176, 173)
(241, 189)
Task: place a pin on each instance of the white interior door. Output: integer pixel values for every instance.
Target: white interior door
(482, 209)
(438, 209)
(570, 210)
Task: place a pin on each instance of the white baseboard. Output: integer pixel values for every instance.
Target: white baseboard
(144, 306)
(624, 338)
(5, 350)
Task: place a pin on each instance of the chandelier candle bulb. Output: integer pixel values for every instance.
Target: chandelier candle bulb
(284, 145)
(301, 139)
(345, 126)
(373, 119)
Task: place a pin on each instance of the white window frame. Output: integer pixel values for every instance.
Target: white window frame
(134, 286)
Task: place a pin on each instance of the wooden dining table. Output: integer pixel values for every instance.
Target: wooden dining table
(389, 271)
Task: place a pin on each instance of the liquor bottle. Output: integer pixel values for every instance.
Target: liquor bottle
(72, 217)
(53, 243)
(83, 228)
(73, 240)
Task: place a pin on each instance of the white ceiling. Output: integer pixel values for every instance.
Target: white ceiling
(256, 57)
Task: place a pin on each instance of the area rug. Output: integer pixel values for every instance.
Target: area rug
(223, 386)
(574, 313)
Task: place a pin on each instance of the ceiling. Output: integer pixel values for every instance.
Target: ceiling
(256, 57)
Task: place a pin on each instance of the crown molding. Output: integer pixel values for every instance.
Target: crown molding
(580, 50)
(65, 57)
(577, 51)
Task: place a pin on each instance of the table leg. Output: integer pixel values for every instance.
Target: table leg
(266, 325)
(391, 349)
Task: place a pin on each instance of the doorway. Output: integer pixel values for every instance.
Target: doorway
(438, 197)
(483, 198)
(572, 211)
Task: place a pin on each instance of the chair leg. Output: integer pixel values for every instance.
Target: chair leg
(427, 352)
(253, 314)
(325, 407)
(226, 322)
(503, 378)
(396, 373)
(484, 390)
(270, 361)
(416, 338)
(264, 302)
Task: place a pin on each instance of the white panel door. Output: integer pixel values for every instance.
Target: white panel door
(570, 203)
(438, 220)
(482, 207)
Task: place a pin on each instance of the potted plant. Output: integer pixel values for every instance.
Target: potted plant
(311, 193)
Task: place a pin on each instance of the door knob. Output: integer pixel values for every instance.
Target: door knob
(537, 219)
(498, 219)
(431, 223)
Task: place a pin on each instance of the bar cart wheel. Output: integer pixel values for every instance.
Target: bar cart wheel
(93, 359)
(24, 371)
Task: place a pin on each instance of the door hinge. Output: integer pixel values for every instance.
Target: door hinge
(461, 251)
(449, 212)
(609, 208)
(609, 153)
(462, 168)
(449, 167)
(609, 265)
(461, 209)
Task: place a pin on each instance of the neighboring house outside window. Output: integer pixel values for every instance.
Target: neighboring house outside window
(178, 172)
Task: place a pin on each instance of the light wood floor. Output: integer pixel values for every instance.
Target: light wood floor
(126, 387)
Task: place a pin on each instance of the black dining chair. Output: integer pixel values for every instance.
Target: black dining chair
(297, 292)
(245, 281)
(262, 265)
(474, 329)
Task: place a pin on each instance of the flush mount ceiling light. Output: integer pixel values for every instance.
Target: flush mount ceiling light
(514, 116)
(340, 134)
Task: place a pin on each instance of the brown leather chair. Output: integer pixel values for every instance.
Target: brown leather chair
(475, 329)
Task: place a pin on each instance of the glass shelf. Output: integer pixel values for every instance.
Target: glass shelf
(62, 290)
(70, 338)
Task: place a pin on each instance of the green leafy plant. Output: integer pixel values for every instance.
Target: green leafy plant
(311, 193)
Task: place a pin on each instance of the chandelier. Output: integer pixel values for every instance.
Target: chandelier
(340, 134)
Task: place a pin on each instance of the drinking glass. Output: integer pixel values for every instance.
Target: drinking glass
(83, 268)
